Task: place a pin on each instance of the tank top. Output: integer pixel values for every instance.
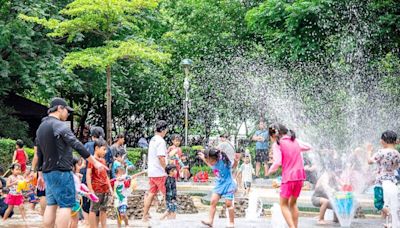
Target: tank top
(21, 156)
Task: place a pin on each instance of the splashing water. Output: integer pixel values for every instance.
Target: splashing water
(254, 209)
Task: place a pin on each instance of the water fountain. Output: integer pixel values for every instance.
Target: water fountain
(255, 207)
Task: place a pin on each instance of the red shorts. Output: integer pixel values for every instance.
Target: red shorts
(157, 184)
(291, 188)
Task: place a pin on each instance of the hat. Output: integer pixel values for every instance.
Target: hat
(55, 102)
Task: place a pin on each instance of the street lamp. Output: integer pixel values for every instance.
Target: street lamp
(186, 64)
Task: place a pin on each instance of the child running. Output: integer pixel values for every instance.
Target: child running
(387, 160)
(121, 192)
(247, 172)
(225, 185)
(170, 186)
(14, 198)
(20, 156)
(287, 152)
(99, 184)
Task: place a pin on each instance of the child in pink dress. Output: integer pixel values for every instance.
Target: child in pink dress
(14, 197)
(287, 153)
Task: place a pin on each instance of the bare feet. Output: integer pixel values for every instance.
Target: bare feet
(321, 222)
(206, 223)
(230, 225)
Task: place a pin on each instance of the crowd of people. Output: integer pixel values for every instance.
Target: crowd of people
(69, 188)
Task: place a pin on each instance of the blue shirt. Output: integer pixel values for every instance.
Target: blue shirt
(224, 184)
(262, 145)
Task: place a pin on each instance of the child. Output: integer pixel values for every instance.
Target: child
(3, 205)
(225, 185)
(99, 184)
(185, 169)
(175, 153)
(387, 160)
(31, 180)
(77, 164)
(118, 162)
(170, 186)
(121, 193)
(287, 152)
(20, 156)
(247, 172)
(14, 198)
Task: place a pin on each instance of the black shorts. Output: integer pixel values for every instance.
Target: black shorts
(85, 204)
(40, 193)
(261, 155)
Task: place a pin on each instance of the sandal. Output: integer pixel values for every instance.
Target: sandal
(206, 223)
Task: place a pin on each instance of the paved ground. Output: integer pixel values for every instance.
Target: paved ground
(193, 221)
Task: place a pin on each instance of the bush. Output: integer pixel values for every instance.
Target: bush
(30, 152)
(7, 148)
(196, 169)
(135, 154)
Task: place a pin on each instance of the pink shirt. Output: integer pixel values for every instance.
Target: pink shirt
(288, 154)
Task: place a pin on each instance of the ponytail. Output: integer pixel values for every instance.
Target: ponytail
(217, 155)
(279, 130)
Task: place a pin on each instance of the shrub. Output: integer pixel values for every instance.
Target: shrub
(30, 153)
(7, 148)
(135, 154)
(196, 169)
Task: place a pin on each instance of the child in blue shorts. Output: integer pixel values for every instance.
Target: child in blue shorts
(225, 185)
(170, 189)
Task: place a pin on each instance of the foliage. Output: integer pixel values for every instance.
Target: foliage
(196, 169)
(135, 154)
(30, 152)
(7, 148)
(12, 127)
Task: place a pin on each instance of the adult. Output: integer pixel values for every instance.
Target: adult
(261, 138)
(119, 146)
(156, 166)
(226, 146)
(142, 143)
(54, 148)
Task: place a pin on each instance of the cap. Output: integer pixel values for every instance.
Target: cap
(59, 102)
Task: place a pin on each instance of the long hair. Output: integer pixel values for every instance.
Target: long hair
(280, 130)
(217, 154)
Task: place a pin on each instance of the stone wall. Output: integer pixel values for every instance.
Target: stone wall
(185, 205)
(136, 205)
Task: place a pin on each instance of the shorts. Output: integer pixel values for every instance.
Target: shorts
(85, 204)
(77, 207)
(378, 197)
(261, 155)
(316, 201)
(171, 206)
(291, 189)
(40, 193)
(157, 184)
(122, 209)
(60, 189)
(102, 205)
(247, 184)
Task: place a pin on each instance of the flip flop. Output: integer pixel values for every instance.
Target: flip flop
(206, 223)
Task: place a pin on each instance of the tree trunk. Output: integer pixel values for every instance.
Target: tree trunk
(109, 117)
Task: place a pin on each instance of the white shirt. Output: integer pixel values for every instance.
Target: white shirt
(247, 172)
(157, 147)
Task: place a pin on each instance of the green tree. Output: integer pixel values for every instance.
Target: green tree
(109, 20)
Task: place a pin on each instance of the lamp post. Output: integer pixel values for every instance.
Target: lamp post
(186, 64)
